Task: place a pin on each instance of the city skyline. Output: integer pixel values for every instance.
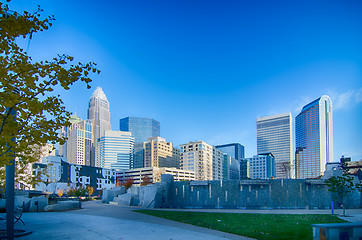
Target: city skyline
(206, 72)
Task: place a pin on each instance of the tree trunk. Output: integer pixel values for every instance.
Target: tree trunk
(344, 210)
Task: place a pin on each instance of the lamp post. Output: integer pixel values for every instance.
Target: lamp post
(9, 194)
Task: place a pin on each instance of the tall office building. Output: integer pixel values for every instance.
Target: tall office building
(79, 141)
(138, 155)
(262, 166)
(208, 162)
(141, 128)
(231, 168)
(314, 138)
(274, 135)
(159, 153)
(99, 114)
(115, 150)
(197, 157)
(235, 150)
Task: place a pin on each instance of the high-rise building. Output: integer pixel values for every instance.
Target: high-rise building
(217, 164)
(245, 172)
(208, 162)
(79, 141)
(274, 135)
(138, 155)
(314, 138)
(231, 168)
(99, 114)
(197, 157)
(115, 150)
(262, 166)
(159, 153)
(235, 150)
(141, 128)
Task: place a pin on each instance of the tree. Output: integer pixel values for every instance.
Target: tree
(60, 192)
(128, 183)
(340, 186)
(90, 190)
(26, 87)
(145, 181)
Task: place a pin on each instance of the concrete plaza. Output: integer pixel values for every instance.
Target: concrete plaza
(104, 221)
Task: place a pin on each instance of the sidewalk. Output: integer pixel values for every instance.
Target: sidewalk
(103, 221)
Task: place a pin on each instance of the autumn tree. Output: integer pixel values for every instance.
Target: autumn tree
(26, 88)
(340, 186)
(128, 183)
(90, 190)
(145, 180)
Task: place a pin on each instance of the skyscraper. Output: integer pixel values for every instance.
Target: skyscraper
(235, 150)
(115, 150)
(314, 138)
(79, 136)
(99, 114)
(208, 162)
(262, 166)
(159, 153)
(274, 135)
(198, 157)
(141, 128)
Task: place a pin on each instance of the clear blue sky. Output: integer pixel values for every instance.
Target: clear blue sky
(207, 69)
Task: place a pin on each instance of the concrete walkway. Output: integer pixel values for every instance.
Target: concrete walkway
(103, 221)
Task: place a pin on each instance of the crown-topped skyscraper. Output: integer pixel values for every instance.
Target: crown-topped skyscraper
(99, 114)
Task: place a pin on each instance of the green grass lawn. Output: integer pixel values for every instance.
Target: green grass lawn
(258, 226)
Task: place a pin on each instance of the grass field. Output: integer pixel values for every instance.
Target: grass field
(258, 226)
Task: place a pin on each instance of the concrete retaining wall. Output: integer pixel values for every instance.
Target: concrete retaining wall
(256, 194)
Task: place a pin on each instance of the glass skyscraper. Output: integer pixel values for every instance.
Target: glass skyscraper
(141, 128)
(235, 150)
(274, 135)
(314, 138)
(115, 150)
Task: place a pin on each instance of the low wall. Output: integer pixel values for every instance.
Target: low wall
(256, 194)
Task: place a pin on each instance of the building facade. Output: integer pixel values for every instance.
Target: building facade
(138, 155)
(77, 148)
(235, 150)
(218, 166)
(208, 162)
(245, 172)
(115, 150)
(99, 114)
(57, 174)
(274, 135)
(231, 168)
(154, 175)
(197, 157)
(159, 153)
(262, 166)
(141, 128)
(314, 138)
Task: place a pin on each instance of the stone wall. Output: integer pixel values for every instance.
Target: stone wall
(256, 194)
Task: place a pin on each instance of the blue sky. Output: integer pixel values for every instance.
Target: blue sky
(207, 69)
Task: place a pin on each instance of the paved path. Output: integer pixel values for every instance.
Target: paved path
(103, 221)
